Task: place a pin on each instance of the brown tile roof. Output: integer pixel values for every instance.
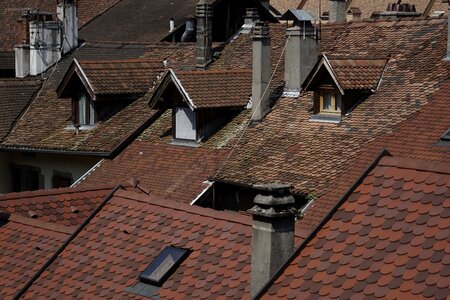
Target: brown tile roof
(68, 206)
(358, 73)
(25, 245)
(283, 5)
(11, 10)
(14, 98)
(131, 230)
(7, 60)
(209, 89)
(287, 147)
(132, 76)
(368, 7)
(52, 115)
(389, 239)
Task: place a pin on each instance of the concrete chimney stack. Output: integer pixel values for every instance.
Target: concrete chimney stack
(261, 72)
(204, 15)
(300, 58)
(338, 12)
(67, 15)
(273, 232)
(251, 16)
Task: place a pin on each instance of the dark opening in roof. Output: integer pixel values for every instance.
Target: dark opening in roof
(164, 265)
(445, 139)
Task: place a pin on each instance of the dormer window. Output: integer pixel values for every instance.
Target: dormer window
(185, 124)
(85, 110)
(330, 101)
(339, 85)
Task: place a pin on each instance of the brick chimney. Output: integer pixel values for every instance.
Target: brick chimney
(204, 15)
(261, 71)
(300, 58)
(273, 232)
(338, 12)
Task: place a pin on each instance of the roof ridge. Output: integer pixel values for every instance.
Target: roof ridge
(369, 21)
(55, 227)
(227, 71)
(415, 164)
(193, 209)
(131, 60)
(57, 191)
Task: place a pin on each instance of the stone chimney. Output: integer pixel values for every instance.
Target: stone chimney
(261, 72)
(204, 34)
(251, 16)
(338, 11)
(67, 15)
(300, 58)
(273, 232)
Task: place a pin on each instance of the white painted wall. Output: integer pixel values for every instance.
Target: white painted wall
(185, 125)
(76, 165)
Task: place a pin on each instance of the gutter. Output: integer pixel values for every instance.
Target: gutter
(327, 217)
(66, 243)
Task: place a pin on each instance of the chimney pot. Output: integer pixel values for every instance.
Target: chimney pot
(273, 232)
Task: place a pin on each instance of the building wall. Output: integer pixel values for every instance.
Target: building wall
(48, 165)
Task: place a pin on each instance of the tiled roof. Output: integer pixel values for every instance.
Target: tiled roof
(68, 206)
(388, 240)
(52, 115)
(11, 10)
(133, 76)
(14, 98)
(7, 60)
(25, 246)
(368, 7)
(131, 230)
(358, 73)
(283, 5)
(415, 138)
(208, 89)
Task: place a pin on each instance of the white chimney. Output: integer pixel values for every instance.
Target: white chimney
(67, 15)
(261, 72)
(22, 60)
(273, 232)
(171, 25)
(45, 45)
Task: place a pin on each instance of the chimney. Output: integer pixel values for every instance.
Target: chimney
(448, 34)
(300, 58)
(189, 32)
(338, 11)
(261, 71)
(67, 15)
(171, 25)
(251, 16)
(273, 232)
(204, 34)
(22, 47)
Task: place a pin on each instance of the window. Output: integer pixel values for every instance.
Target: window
(330, 102)
(25, 178)
(61, 180)
(163, 266)
(85, 109)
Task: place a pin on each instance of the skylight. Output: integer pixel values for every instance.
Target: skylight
(163, 266)
(446, 136)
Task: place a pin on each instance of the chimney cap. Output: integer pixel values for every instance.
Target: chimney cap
(273, 200)
(261, 30)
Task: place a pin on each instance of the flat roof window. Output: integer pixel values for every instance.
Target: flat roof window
(164, 265)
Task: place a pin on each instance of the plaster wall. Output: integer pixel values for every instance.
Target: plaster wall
(48, 164)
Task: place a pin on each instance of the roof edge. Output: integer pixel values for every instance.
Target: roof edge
(416, 164)
(41, 224)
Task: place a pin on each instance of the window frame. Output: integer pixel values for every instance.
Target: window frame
(89, 118)
(334, 93)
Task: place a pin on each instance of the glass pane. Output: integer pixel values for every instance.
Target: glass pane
(91, 112)
(338, 102)
(82, 108)
(326, 101)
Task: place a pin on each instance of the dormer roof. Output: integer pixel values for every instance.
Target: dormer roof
(112, 77)
(347, 74)
(205, 89)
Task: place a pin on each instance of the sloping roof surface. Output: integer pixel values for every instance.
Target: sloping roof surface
(68, 206)
(53, 115)
(14, 98)
(134, 76)
(358, 73)
(311, 154)
(138, 20)
(283, 5)
(131, 230)
(26, 245)
(11, 10)
(209, 89)
(388, 240)
(7, 60)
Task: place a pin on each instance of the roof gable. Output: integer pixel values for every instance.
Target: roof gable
(348, 74)
(131, 76)
(206, 89)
